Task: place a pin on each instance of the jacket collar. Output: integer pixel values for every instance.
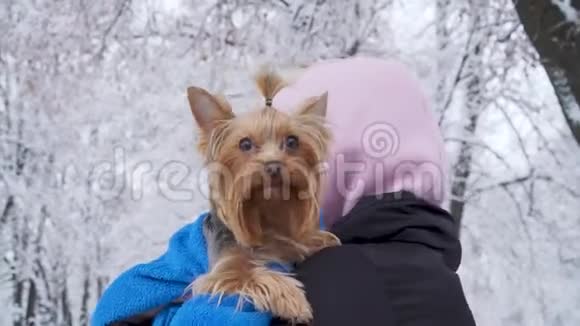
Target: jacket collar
(400, 217)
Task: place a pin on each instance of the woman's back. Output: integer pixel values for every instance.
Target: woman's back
(396, 267)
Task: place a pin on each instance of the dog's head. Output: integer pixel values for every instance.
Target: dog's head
(265, 165)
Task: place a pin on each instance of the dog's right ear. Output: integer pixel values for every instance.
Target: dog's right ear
(208, 110)
(315, 105)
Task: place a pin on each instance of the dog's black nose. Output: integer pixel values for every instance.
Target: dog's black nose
(273, 168)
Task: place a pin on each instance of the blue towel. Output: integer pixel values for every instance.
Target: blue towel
(155, 284)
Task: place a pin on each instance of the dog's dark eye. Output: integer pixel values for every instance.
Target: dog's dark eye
(246, 144)
(291, 142)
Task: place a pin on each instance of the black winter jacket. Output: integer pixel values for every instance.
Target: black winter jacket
(396, 267)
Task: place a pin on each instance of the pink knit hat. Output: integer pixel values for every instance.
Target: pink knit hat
(386, 138)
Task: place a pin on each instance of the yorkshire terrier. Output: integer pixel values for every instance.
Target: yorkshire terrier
(265, 188)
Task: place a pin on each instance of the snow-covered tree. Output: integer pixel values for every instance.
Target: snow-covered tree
(98, 164)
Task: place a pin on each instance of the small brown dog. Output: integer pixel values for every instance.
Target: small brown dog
(265, 185)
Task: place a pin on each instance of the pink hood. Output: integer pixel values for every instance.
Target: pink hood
(386, 138)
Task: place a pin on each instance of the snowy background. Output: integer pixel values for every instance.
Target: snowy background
(98, 165)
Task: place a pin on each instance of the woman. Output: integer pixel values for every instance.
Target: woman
(386, 180)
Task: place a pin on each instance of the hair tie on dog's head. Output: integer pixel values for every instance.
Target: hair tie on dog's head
(268, 102)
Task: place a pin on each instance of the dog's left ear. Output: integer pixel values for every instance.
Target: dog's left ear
(208, 110)
(315, 105)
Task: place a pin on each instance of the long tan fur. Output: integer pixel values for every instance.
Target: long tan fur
(269, 83)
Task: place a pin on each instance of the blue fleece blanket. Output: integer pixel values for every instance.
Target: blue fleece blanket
(156, 284)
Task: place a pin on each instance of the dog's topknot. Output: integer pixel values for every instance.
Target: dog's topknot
(269, 83)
